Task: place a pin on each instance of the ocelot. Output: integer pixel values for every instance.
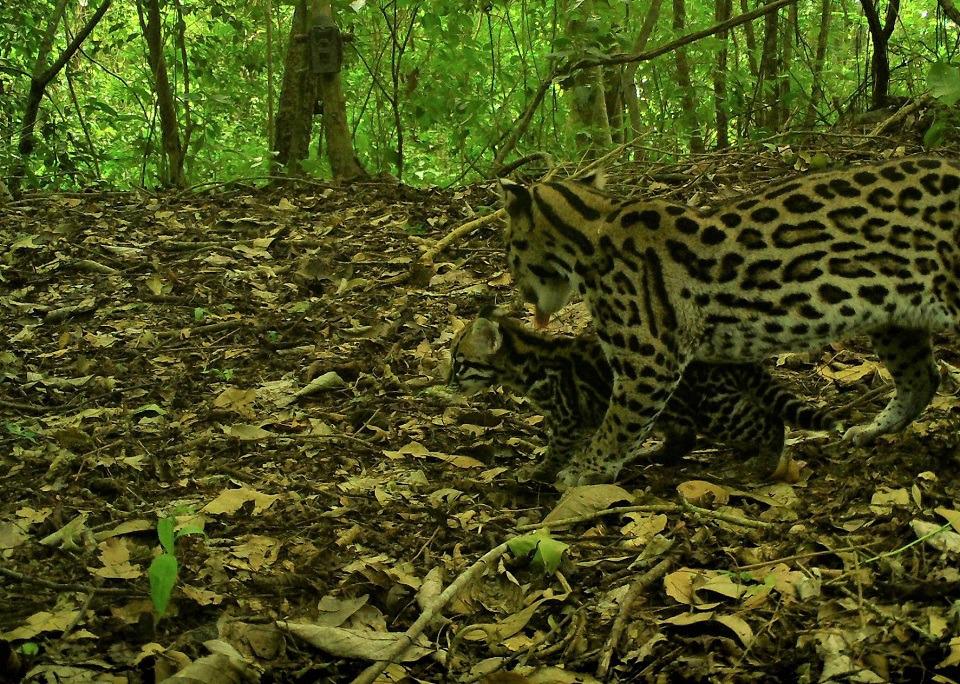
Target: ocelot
(568, 380)
(870, 250)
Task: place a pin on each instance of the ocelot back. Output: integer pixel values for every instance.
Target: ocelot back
(567, 379)
(871, 250)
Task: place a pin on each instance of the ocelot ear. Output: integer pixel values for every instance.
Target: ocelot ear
(515, 196)
(486, 336)
(595, 179)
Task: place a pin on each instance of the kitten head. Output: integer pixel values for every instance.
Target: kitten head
(473, 356)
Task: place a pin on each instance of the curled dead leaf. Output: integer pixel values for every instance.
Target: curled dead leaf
(703, 493)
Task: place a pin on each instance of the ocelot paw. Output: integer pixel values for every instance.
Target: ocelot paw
(572, 478)
(536, 472)
(861, 435)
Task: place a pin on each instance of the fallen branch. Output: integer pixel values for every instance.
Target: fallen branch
(803, 556)
(616, 510)
(83, 609)
(727, 517)
(220, 326)
(64, 586)
(21, 406)
(901, 114)
(457, 233)
(639, 586)
(864, 398)
(431, 612)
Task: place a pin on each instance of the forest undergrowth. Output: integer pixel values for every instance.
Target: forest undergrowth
(267, 366)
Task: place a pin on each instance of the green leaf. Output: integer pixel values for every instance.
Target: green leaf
(525, 544)
(163, 577)
(29, 648)
(544, 551)
(944, 83)
(165, 531)
(935, 134)
(549, 554)
(148, 408)
(190, 530)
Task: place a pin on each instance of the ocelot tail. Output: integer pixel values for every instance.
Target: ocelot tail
(567, 379)
(870, 250)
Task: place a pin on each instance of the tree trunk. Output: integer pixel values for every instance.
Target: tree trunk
(786, 60)
(950, 10)
(41, 77)
(630, 71)
(588, 111)
(751, 42)
(688, 96)
(343, 160)
(169, 127)
(613, 101)
(816, 90)
(269, 31)
(298, 96)
(721, 14)
(767, 83)
(880, 61)
(181, 43)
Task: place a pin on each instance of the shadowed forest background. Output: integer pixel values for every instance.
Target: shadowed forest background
(237, 240)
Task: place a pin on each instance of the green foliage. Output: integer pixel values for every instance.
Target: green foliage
(20, 431)
(224, 374)
(29, 648)
(944, 83)
(457, 77)
(543, 551)
(165, 567)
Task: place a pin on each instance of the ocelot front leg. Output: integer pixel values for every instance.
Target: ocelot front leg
(564, 438)
(638, 397)
(908, 356)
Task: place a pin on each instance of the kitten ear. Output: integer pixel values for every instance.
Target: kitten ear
(595, 179)
(489, 311)
(486, 336)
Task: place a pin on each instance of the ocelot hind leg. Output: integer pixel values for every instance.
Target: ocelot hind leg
(678, 441)
(908, 356)
(755, 433)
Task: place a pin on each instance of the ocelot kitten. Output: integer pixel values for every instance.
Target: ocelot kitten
(568, 380)
(870, 250)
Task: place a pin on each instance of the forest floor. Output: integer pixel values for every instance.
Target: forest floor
(267, 367)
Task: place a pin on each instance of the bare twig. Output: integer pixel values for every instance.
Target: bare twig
(639, 586)
(369, 675)
(616, 510)
(627, 58)
(803, 556)
(458, 233)
(727, 517)
(83, 609)
(864, 398)
(61, 586)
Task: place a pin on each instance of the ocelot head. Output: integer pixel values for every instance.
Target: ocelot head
(539, 217)
(473, 357)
